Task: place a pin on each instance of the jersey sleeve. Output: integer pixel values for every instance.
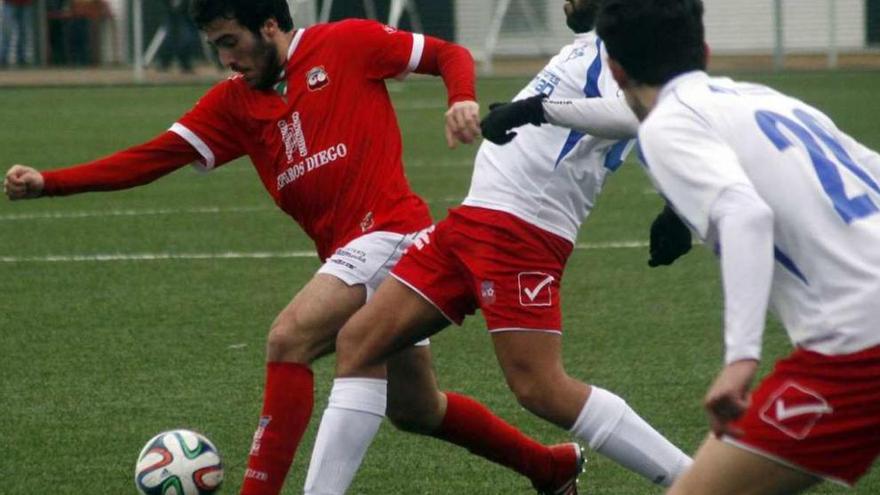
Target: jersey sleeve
(744, 226)
(383, 51)
(133, 167)
(689, 163)
(605, 117)
(211, 127)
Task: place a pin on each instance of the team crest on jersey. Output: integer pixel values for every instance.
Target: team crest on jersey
(795, 410)
(317, 78)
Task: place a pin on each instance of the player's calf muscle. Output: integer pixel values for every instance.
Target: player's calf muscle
(414, 414)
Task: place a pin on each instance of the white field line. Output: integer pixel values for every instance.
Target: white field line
(75, 258)
(53, 215)
(208, 210)
(100, 258)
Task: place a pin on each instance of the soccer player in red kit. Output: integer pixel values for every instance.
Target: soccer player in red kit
(309, 107)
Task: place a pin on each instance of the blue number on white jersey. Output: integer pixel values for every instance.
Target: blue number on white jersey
(848, 208)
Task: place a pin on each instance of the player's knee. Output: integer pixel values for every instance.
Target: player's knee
(290, 340)
(350, 352)
(536, 390)
(530, 393)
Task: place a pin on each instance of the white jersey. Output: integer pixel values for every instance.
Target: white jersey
(550, 176)
(709, 135)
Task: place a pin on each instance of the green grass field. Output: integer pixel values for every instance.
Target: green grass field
(98, 356)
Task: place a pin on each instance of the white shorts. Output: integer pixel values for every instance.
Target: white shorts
(368, 260)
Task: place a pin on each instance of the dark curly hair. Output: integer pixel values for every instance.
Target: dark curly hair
(251, 14)
(654, 40)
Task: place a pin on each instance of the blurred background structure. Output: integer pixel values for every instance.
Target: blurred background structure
(153, 40)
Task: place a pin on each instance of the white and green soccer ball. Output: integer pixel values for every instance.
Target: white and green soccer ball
(178, 462)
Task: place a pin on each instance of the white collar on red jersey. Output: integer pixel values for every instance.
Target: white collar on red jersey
(281, 86)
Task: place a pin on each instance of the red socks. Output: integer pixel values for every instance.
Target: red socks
(471, 425)
(287, 407)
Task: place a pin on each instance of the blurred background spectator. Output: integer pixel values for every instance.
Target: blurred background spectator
(17, 32)
(75, 30)
(182, 36)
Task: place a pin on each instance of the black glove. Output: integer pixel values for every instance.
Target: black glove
(503, 117)
(670, 238)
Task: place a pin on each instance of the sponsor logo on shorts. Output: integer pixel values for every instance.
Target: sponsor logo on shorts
(352, 254)
(337, 261)
(795, 410)
(535, 289)
(487, 291)
(258, 435)
(317, 78)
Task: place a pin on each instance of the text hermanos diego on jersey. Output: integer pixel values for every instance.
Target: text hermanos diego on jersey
(295, 144)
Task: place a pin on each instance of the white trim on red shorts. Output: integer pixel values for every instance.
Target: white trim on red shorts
(761, 453)
(422, 294)
(520, 329)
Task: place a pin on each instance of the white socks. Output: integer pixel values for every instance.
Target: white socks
(613, 429)
(351, 420)
(606, 423)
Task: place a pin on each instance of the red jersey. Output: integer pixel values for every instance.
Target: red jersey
(329, 152)
(327, 146)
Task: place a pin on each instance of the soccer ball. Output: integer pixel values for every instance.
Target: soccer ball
(178, 462)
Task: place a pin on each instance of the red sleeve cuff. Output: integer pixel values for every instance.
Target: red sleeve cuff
(50, 183)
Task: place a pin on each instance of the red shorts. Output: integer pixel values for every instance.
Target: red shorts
(487, 259)
(818, 413)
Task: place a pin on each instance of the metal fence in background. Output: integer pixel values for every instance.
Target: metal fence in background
(759, 33)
